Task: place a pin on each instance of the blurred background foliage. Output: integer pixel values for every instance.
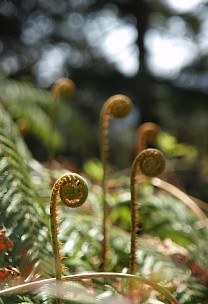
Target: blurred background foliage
(155, 52)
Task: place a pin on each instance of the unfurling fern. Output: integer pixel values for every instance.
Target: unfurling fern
(147, 135)
(150, 162)
(117, 106)
(72, 190)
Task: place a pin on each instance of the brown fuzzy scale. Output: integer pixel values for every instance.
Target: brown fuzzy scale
(72, 190)
(117, 106)
(150, 162)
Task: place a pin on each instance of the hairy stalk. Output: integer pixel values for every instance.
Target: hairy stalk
(62, 87)
(72, 190)
(149, 162)
(117, 106)
(146, 135)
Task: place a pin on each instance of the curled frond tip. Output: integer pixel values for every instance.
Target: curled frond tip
(63, 86)
(151, 162)
(119, 105)
(72, 190)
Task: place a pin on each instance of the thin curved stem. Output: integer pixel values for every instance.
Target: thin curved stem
(150, 162)
(134, 226)
(147, 134)
(54, 236)
(104, 124)
(30, 287)
(72, 190)
(62, 86)
(201, 204)
(157, 182)
(117, 106)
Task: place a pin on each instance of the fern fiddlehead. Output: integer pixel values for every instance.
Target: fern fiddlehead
(62, 87)
(147, 134)
(117, 106)
(150, 162)
(72, 190)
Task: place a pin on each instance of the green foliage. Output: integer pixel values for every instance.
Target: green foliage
(22, 211)
(172, 243)
(53, 124)
(93, 169)
(162, 220)
(32, 106)
(169, 145)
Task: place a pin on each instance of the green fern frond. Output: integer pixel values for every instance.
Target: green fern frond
(24, 101)
(167, 217)
(21, 210)
(8, 128)
(19, 299)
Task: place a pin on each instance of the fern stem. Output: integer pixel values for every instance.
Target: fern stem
(62, 87)
(176, 192)
(150, 162)
(147, 135)
(96, 275)
(117, 106)
(72, 190)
